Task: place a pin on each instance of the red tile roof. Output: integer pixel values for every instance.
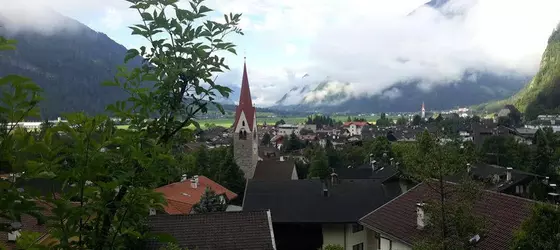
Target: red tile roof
(245, 104)
(359, 124)
(181, 196)
(504, 214)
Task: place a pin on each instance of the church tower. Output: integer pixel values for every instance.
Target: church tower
(423, 111)
(245, 139)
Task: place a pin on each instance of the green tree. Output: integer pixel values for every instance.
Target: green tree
(540, 231)
(542, 156)
(108, 175)
(281, 122)
(319, 165)
(402, 121)
(209, 125)
(19, 97)
(476, 119)
(439, 118)
(210, 202)
(266, 139)
(383, 121)
(293, 143)
(416, 120)
(452, 220)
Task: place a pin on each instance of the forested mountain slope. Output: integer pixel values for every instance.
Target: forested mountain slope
(542, 94)
(69, 64)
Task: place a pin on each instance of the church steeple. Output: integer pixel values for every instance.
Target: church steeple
(423, 110)
(245, 105)
(245, 138)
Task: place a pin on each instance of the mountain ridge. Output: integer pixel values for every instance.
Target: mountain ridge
(68, 63)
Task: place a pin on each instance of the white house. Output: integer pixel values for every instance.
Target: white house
(288, 129)
(355, 128)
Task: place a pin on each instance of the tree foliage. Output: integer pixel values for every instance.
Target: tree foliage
(452, 221)
(319, 165)
(416, 120)
(210, 202)
(266, 139)
(540, 231)
(383, 121)
(402, 121)
(102, 179)
(322, 121)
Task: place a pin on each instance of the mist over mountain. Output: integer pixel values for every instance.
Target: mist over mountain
(67, 59)
(462, 87)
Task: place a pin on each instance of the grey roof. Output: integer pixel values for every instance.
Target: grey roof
(274, 170)
(302, 201)
(485, 173)
(366, 172)
(222, 230)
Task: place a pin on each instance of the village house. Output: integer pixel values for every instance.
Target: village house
(501, 179)
(288, 129)
(183, 195)
(275, 169)
(211, 231)
(355, 128)
(310, 214)
(402, 221)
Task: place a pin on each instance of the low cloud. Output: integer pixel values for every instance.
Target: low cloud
(375, 50)
(372, 44)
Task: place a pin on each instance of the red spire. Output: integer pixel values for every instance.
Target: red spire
(245, 103)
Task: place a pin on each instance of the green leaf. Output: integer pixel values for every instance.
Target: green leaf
(146, 16)
(203, 9)
(130, 54)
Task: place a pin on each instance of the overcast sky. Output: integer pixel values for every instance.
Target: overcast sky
(370, 43)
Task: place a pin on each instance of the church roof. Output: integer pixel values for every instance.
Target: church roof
(245, 103)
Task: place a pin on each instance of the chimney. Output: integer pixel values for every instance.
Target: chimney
(334, 178)
(194, 183)
(508, 174)
(468, 168)
(183, 177)
(421, 217)
(15, 231)
(152, 212)
(281, 158)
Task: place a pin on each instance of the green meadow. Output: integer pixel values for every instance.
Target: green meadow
(267, 118)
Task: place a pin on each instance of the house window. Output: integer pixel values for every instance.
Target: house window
(357, 228)
(358, 246)
(384, 243)
(243, 123)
